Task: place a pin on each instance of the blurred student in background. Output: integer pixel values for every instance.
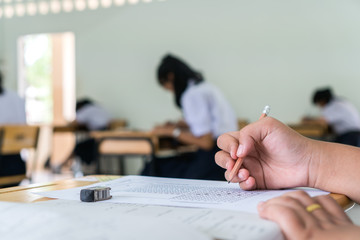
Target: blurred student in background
(92, 117)
(207, 115)
(12, 111)
(339, 114)
(12, 107)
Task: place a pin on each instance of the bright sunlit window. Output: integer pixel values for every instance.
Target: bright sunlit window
(41, 81)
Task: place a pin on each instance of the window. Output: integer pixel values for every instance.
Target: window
(47, 77)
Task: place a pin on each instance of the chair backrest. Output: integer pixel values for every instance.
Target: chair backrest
(17, 137)
(14, 138)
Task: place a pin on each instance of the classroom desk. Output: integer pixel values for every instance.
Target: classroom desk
(78, 131)
(146, 144)
(316, 131)
(114, 124)
(68, 128)
(24, 193)
(162, 146)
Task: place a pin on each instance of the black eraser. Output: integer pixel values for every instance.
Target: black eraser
(94, 194)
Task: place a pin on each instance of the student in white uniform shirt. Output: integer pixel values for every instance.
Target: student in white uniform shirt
(207, 115)
(12, 108)
(340, 115)
(92, 117)
(12, 111)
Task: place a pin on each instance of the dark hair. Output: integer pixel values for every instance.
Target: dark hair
(1, 79)
(182, 74)
(323, 95)
(82, 103)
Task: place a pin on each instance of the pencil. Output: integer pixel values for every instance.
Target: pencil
(239, 161)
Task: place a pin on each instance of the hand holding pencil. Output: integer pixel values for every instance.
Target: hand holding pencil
(273, 156)
(239, 161)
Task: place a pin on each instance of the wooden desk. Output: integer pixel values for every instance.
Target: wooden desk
(162, 146)
(140, 143)
(310, 130)
(68, 128)
(24, 193)
(114, 124)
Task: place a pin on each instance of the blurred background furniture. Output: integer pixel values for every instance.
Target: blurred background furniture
(14, 139)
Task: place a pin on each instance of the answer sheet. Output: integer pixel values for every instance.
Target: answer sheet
(179, 192)
(74, 220)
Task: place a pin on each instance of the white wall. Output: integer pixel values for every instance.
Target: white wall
(258, 52)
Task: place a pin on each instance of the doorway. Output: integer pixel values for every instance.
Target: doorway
(46, 80)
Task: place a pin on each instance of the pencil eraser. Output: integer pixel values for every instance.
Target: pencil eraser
(94, 194)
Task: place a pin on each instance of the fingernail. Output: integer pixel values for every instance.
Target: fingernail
(240, 150)
(227, 165)
(241, 176)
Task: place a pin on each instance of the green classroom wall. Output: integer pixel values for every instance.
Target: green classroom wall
(258, 52)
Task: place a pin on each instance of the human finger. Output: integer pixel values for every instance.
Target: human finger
(247, 137)
(254, 135)
(311, 206)
(299, 201)
(229, 143)
(287, 218)
(241, 176)
(224, 160)
(248, 184)
(333, 208)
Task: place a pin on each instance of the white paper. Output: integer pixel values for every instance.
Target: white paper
(179, 192)
(65, 219)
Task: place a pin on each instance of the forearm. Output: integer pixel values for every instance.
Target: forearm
(336, 168)
(204, 142)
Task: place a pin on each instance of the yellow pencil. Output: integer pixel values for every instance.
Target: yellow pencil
(239, 161)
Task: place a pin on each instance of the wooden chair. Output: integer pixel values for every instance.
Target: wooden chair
(124, 146)
(14, 139)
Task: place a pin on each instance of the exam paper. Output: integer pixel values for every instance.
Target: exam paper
(58, 221)
(66, 219)
(179, 192)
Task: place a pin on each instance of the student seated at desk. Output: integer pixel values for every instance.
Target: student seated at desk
(92, 117)
(275, 157)
(12, 111)
(207, 114)
(340, 115)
